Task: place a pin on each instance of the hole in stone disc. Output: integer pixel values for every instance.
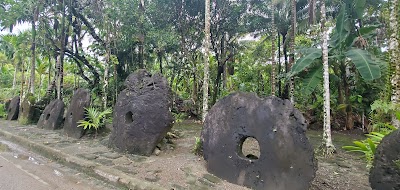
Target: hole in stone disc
(47, 116)
(128, 117)
(250, 148)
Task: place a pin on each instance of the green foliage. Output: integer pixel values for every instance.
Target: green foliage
(95, 119)
(381, 113)
(3, 112)
(197, 148)
(368, 146)
(179, 117)
(381, 129)
(367, 67)
(397, 162)
(310, 55)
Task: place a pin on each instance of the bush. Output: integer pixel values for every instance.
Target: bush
(368, 146)
(3, 113)
(95, 119)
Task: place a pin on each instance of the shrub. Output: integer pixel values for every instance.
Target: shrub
(368, 146)
(95, 119)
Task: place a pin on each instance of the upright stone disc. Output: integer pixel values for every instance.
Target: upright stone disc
(76, 112)
(142, 114)
(13, 109)
(385, 173)
(52, 116)
(286, 158)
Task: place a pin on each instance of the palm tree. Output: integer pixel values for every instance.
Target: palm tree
(35, 14)
(273, 81)
(394, 56)
(292, 45)
(206, 58)
(329, 147)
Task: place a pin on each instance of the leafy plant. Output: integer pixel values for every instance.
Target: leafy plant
(197, 148)
(95, 119)
(368, 146)
(2, 111)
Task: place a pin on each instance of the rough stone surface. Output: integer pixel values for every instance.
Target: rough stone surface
(52, 116)
(142, 114)
(385, 173)
(28, 111)
(286, 158)
(76, 112)
(13, 109)
(7, 104)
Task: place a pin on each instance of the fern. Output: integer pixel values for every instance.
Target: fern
(94, 119)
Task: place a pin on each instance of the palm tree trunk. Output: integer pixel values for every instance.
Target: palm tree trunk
(394, 56)
(33, 49)
(292, 44)
(206, 58)
(61, 56)
(327, 137)
(15, 76)
(273, 74)
(279, 65)
(105, 86)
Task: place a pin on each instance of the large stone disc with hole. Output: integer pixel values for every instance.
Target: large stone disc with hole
(142, 114)
(13, 109)
(385, 173)
(76, 111)
(285, 158)
(52, 116)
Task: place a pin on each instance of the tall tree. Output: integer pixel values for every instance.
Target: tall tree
(394, 55)
(35, 14)
(207, 22)
(329, 147)
(292, 49)
(60, 60)
(273, 54)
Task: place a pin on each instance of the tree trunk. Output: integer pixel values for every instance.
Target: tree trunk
(22, 81)
(329, 147)
(292, 46)
(15, 76)
(159, 54)
(394, 56)
(279, 65)
(33, 50)
(61, 56)
(206, 58)
(311, 12)
(49, 81)
(273, 74)
(106, 68)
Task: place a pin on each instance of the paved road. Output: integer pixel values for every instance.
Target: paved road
(21, 169)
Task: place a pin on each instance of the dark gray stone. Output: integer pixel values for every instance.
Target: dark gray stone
(76, 112)
(385, 173)
(142, 114)
(286, 158)
(52, 116)
(28, 111)
(7, 104)
(13, 109)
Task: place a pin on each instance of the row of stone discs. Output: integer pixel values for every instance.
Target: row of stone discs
(52, 117)
(286, 159)
(25, 111)
(142, 114)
